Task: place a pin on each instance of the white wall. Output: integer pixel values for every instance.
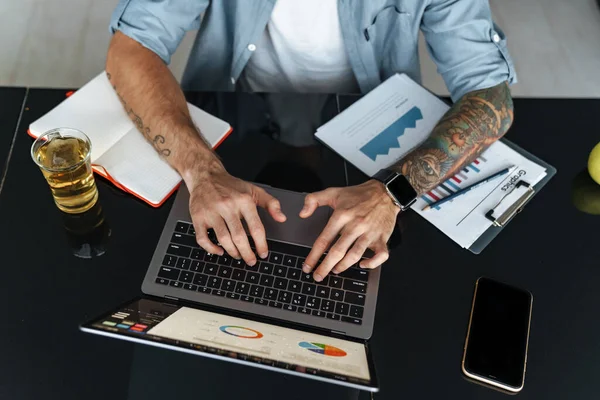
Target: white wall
(62, 43)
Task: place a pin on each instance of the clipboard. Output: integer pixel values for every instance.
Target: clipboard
(513, 203)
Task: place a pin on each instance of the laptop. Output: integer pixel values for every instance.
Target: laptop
(270, 315)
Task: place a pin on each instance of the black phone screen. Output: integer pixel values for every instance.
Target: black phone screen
(497, 341)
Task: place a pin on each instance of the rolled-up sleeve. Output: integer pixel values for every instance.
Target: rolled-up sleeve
(468, 48)
(158, 25)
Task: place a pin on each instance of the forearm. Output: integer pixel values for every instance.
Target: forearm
(473, 123)
(154, 101)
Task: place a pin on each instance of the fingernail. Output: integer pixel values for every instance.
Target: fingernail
(306, 268)
(252, 263)
(317, 277)
(335, 271)
(263, 255)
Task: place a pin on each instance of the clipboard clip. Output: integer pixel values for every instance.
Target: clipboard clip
(511, 204)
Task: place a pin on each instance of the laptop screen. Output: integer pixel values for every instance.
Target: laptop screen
(239, 339)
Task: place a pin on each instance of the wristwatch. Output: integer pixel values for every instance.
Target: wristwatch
(398, 187)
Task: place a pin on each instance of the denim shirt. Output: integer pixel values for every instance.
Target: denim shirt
(380, 36)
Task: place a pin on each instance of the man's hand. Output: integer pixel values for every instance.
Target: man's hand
(364, 217)
(220, 201)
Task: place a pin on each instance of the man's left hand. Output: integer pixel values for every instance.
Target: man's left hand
(364, 217)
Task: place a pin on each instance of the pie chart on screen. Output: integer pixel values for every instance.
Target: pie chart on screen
(323, 349)
(241, 332)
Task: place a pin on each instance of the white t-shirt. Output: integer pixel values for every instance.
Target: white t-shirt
(301, 50)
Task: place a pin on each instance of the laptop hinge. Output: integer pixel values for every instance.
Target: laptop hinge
(338, 332)
(171, 298)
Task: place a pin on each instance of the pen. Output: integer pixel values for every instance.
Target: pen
(468, 188)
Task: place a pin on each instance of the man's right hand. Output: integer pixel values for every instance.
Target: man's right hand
(220, 201)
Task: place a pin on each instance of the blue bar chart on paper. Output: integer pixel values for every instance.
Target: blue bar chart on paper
(389, 138)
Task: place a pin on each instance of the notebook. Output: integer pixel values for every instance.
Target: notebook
(120, 153)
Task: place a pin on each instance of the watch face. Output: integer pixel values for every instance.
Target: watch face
(402, 190)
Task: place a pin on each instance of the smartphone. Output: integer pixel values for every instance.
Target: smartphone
(495, 350)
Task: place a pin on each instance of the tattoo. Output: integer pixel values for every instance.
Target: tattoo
(476, 121)
(157, 141)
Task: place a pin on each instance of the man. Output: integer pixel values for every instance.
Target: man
(308, 46)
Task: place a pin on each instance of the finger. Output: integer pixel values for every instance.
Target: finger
(312, 201)
(336, 254)
(225, 238)
(332, 229)
(269, 203)
(381, 256)
(353, 255)
(204, 241)
(238, 235)
(256, 229)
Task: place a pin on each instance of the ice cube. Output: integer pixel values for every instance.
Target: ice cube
(62, 153)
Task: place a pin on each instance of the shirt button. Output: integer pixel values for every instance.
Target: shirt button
(251, 47)
(496, 38)
(233, 80)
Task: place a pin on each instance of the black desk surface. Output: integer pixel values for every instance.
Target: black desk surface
(11, 103)
(551, 248)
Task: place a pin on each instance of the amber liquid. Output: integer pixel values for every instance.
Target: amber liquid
(68, 173)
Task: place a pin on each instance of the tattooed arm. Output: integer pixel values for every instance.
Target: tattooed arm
(473, 123)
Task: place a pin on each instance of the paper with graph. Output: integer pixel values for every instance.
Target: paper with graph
(384, 125)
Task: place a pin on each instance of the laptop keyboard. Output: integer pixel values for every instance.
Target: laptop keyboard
(275, 282)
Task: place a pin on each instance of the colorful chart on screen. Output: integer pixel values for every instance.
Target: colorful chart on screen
(324, 349)
(241, 332)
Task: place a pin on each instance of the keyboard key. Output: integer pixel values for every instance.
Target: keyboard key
(162, 281)
(327, 305)
(176, 284)
(266, 280)
(247, 299)
(294, 274)
(198, 254)
(355, 298)
(289, 307)
(356, 311)
(300, 262)
(183, 263)
(309, 289)
(265, 268)
(313, 302)
(239, 274)
(352, 320)
(275, 304)
(323, 292)
(224, 260)
(214, 282)
(182, 227)
(217, 292)
(299, 300)
(168, 273)
(169, 261)
(238, 264)
(191, 230)
(280, 271)
(196, 266)
(228, 285)
(318, 313)
(186, 276)
(232, 295)
(252, 277)
(294, 286)
(307, 278)
(337, 295)
(179, 250)
(189, 286)
(271, 294)
(262, 302)
(200, 279)
(225, 272)
(281, 283)
(186, 240)
(333, 316)
(289, 261)
(275, 258)
(204, 289)
(324, 282)
(211, 258)
(257, 291)
(342, 308)
(355, 286)
(335, 282)
(242, 288)
(211, 269)
(284, 297)
(356, 273)
(304, 310)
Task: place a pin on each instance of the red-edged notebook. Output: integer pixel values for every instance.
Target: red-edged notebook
(119, 151)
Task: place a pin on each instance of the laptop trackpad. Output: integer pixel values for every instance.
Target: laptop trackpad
(295, 229)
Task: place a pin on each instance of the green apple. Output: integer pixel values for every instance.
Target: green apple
(586, 194)
(594, 164)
